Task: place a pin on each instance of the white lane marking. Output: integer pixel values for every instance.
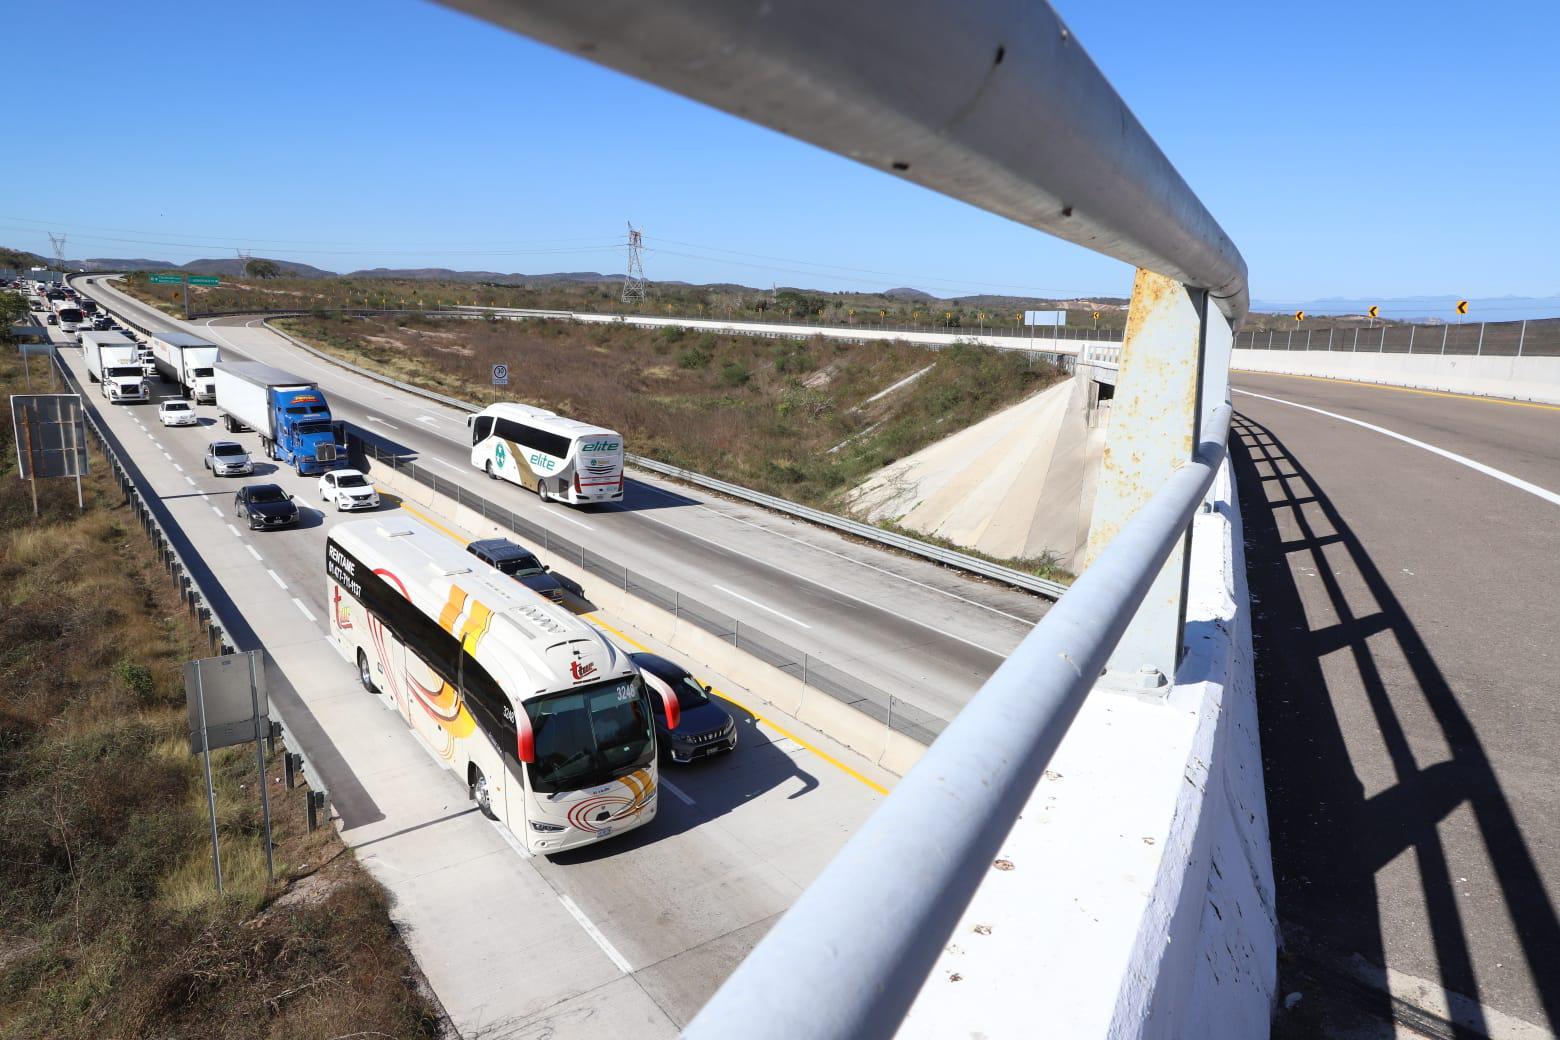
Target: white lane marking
(377, 419)
(760, 606)
(190, 481)
(571, 520)
(277, 578)
(167, 456)
(833, 590)
(219, 512)
(595, 933)
(441, 462)
(306, 611)
(427, 419)
(154, 443)
(667, 786)
(178, 467)
(1462, 460)
(253, 553)
(230, 527)
(838, 555)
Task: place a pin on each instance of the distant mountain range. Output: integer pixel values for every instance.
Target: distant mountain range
(1416, 308)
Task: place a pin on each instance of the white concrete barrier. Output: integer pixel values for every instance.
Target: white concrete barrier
(781, 691)
(1517, 378)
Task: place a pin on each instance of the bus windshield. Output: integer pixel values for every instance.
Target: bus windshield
(588, 737)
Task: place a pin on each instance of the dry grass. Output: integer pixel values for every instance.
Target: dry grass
(762, 413)
(110, 925)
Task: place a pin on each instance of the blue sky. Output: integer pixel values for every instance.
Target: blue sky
(1351, 150)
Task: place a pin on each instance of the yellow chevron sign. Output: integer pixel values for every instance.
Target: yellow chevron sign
(1462, 306)
(1374, 312)
(1299, 315)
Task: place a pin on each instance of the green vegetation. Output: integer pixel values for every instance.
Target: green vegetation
(791, 417)
(109, 924)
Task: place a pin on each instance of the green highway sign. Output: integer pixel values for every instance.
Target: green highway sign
(204, 279)
(165, 279)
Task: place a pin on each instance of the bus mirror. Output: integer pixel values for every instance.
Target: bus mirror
(669, 701)
(525, 739)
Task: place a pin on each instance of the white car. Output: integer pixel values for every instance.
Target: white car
(177, 413)
(349, 489)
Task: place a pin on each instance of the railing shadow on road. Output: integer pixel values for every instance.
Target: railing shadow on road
(1329, 839)
(718, 786)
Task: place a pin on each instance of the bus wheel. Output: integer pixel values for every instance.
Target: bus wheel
(482, 792)
(487, 467)
(364, 676)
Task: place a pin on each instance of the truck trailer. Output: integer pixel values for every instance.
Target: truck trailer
(187, 360)
(290, 414)
(114, 364)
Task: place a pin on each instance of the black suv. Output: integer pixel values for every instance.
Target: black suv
(704, 728)
(265, 505)
(520, 564)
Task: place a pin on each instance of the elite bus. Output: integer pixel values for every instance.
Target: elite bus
(548, 723)
(560, 459)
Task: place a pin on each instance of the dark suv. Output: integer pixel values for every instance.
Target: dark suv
(520, 564)
(704, 728)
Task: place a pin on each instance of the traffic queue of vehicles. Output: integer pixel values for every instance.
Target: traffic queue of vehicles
(653, 710)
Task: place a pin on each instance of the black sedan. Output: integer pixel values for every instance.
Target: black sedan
(704, 728)
(265, 505)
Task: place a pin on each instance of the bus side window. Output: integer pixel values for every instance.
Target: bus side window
(481, 429)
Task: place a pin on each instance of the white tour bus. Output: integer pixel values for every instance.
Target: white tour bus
(558, 458)
(549, 724)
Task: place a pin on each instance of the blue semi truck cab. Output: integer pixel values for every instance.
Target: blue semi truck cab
(290, 414)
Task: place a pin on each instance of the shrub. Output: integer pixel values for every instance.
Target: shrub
(735, 373)
(694, 357)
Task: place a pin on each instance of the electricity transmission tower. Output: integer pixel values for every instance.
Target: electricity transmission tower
(58, 242)
(243, 260)
(634, 280)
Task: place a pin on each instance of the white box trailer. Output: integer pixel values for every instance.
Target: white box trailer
(114, 364)
(187, 360)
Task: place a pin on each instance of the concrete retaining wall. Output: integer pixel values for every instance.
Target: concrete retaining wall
(782, 691)
(1517, 378)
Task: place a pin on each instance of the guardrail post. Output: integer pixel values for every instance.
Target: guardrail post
(1480, 349)
(1411, 329)
(1153, 431)
(1522, 338)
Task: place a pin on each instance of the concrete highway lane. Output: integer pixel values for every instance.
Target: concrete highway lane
(626, 938)
(1407, 629)
(911, 629)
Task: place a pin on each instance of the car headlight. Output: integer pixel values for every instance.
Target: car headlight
(545, 828)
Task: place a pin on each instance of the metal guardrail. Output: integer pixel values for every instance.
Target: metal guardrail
(1535, 337)
(867, 532)
(878, 704)
(199, 602)
(996, 104)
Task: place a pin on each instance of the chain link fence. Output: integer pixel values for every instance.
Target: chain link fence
(1539, 337)
(894, 712)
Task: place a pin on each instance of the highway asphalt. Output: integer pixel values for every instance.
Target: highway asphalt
(628, 937)
(1407, 616)
(918, 632)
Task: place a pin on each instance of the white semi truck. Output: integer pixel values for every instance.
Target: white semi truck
(114, 364)
(187, 360)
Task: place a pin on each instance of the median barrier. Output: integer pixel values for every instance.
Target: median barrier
(1518, 378)
(861, 724)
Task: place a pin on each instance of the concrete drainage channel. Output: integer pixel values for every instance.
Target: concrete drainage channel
(875, 724)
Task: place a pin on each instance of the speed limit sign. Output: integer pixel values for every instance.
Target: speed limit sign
(500, 375)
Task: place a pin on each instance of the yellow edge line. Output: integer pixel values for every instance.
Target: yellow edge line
(766, 720)
(1407, 390)
(431, 522)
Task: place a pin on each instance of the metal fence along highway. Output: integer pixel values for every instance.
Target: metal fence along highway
(880, 705)
(1536, 338)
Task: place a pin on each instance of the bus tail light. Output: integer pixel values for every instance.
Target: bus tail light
(525, 738)
(578, 489)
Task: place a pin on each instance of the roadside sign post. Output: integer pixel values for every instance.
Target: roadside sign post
(227, 704)
(500, 378)
(49, 439)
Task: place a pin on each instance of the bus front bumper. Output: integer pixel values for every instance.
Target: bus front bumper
(548, 843)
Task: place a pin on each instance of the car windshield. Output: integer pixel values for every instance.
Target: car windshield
(520, 566)
(588, 737)
(267, 493)
(351, 480)
(227, 449)
(175, 406)
(690, 694)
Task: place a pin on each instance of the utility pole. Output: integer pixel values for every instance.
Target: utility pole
(634, 280)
